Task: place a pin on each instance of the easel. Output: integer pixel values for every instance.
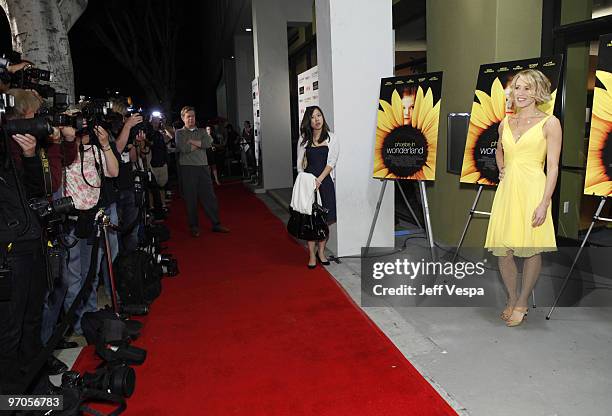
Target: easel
(469, 219)
(596, 218)
(467, 224)
(425, 204)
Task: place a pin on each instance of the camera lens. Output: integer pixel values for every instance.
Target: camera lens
(63, 205)
(122, 381)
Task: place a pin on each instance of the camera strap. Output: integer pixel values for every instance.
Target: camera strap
(4, 250)
(102, 396)
(46, 170)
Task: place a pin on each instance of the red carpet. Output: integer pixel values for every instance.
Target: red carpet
(247, 329)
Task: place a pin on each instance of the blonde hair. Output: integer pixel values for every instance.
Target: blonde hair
(25, 101)
(186, 109)
(537, 81)
(119, 107)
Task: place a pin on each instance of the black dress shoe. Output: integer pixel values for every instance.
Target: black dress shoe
(65, 344)
(324, 263)
(55, 366)
(312, 266)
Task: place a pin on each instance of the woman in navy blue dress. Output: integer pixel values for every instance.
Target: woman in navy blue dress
(317, 154)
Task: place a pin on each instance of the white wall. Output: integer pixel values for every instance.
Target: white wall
(270, 19)
(355, 48)
(245, 72)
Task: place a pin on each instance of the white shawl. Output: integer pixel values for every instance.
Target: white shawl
(303, 193)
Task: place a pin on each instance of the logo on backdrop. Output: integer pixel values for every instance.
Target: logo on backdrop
(598, 180)
(407, 127)
(491, 104)
(308, 85)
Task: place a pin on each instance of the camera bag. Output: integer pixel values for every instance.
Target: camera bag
(105, 326)
(138, 278)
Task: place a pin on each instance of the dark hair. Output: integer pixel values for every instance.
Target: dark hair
(306, 128)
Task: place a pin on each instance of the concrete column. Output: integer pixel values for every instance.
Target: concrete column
(355, 49)
(245, 73)
(270, 19)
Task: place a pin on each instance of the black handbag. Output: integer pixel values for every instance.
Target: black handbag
(309, 227)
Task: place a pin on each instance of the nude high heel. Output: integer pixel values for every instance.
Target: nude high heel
(518, 316)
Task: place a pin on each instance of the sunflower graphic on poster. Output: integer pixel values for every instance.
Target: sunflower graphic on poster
(407, 127)
(489, 108)
(598, 179)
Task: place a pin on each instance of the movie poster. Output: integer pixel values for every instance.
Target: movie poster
(491, 104)
(308, 91)
(598, 179)
(407, 127)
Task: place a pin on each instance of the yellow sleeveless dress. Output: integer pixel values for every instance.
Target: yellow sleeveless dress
(518, 195)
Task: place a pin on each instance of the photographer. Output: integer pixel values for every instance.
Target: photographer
(55, 152)
(85, 183)
(60, 147)
(159, 157)
(127, 209)
(21, 258)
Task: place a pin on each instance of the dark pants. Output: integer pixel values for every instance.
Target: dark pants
(54, 299)
(197, 185)
(20, 317)
(127, 211)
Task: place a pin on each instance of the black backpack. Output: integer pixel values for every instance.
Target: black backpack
(138, 278)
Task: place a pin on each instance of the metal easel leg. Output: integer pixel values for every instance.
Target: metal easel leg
(467, 223)
(418, 223)
(428, 229)
(569, 273)
(378, 204)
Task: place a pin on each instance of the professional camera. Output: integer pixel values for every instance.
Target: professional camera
(38, 127)
(57, 116)
(168, 264)
(53, 216)
(45, 208)
(96, 112)
(144, 126)
(52, 213)
(117, 379)
(141, 180)
(30, 78)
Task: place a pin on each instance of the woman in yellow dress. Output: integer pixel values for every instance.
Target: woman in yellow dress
(521, 223)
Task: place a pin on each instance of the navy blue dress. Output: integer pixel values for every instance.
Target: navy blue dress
(316, 159)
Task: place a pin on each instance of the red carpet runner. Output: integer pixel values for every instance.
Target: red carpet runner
(247, 329)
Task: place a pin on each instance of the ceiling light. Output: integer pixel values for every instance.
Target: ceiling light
(248, 29)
